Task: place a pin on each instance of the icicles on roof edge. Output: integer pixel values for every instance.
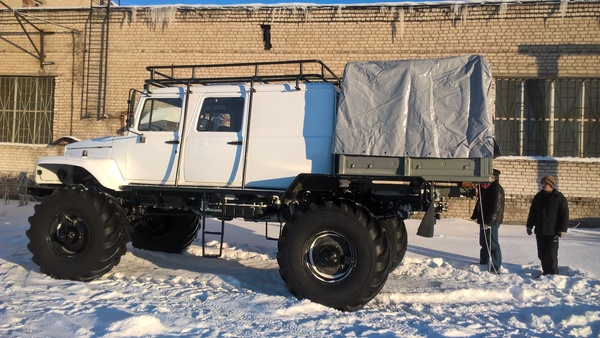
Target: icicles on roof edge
(162, 16)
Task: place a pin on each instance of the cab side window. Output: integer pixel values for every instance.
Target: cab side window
(221, 114)
(160, 115)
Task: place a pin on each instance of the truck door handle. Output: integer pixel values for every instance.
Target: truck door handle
(235, 143)
(172, 142)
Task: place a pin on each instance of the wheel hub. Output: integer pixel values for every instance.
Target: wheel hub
(69, 235)
(330, 257)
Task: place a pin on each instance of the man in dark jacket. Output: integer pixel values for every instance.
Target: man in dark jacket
(549, 214)
(489, 213)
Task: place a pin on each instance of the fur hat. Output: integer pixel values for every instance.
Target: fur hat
(550, 180)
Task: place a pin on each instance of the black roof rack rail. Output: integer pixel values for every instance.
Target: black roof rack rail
(265, 72)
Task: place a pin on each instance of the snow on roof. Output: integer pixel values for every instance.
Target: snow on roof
(366, 4)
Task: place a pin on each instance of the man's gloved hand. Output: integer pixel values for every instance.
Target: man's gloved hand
(529, 231)
(562, 234)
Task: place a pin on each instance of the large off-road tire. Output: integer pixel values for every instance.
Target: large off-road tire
(334, 254)
(166, 231)
(77, 233)
(395, 232)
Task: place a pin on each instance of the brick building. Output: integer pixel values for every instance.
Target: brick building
(67, 71)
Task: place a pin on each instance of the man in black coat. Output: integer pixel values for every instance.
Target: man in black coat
(549, 214)
(489, 213)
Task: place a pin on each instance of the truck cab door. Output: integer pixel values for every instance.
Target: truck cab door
(152, 154)
(213, 154)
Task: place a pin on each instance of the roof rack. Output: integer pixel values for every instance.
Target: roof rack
(261, 72)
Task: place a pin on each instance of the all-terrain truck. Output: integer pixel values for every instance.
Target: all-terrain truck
(335, 164)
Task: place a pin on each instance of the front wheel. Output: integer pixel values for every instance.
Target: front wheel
(334, 254)
(77, 233)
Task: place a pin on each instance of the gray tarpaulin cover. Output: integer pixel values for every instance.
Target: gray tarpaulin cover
(438, 108)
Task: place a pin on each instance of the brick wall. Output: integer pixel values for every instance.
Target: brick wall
(574, 177)
(12, 3)
(527, 39)
(583, 212)
(577, 179)
(16, 4)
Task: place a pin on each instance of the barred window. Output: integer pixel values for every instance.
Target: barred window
(541, 117)
(26, 109)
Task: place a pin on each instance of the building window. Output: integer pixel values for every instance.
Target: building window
(26, 109)
(266, 36)
(540, 117)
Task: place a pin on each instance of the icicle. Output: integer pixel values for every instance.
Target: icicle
(455, 11)
(464, 13)
(306, 13)
(274, 13)
(132, 14)
(563, 8)
(502, 11)
(252, 10)
(401, 20)
(397, 19)
(162, 15)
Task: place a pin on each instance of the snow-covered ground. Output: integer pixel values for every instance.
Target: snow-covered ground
(438, 290)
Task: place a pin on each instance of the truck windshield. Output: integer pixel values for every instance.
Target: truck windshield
(160, 114)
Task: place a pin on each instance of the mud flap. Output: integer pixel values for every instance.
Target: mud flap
(427, 223)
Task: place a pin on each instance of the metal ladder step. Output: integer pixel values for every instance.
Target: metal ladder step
(218, 234)
(269, 237)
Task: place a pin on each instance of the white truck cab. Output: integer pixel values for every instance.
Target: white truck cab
(221, 139)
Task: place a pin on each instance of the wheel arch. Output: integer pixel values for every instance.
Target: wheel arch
(64, 170)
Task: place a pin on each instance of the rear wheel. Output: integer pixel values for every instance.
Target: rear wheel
(77, 233)
(334, 254)
(395, 231)
(165, 231)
